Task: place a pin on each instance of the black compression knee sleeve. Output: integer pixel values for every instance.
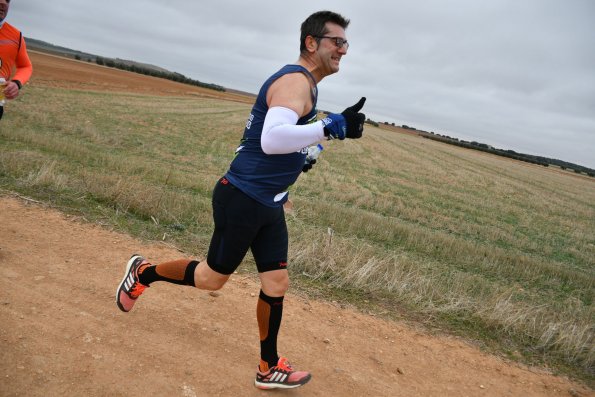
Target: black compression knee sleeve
(189, 273)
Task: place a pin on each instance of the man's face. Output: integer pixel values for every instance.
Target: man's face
(330, 53)
(3, 8)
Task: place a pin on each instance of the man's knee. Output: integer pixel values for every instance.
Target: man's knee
(208, 279)
(277, 289)
(212, 285)
(274, 283)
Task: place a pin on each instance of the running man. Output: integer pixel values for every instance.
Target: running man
(248, 200)
(13, 59)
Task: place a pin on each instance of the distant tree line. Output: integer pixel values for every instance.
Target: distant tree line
(529, 158)
(131, 67)
(539, 160)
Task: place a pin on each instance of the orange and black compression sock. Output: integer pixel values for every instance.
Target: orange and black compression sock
(180, 272)
(269, 311)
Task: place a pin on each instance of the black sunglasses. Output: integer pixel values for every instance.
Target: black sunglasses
(339, 41)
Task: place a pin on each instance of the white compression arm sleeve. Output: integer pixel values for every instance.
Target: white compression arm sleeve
(280, 134)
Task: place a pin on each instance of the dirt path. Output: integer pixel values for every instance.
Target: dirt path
(62, 334)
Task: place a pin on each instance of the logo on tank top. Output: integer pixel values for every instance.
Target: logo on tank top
(249, 121)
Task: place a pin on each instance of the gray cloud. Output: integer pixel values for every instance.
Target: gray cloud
(517, 75)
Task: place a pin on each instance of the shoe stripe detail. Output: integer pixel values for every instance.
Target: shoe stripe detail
(129, 282)
(278, 377)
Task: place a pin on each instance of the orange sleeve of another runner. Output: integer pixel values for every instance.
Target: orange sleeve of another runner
(23, 64)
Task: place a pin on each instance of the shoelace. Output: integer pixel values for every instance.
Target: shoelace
(284, 365)
(136, 290)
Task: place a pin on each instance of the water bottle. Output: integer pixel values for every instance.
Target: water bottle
(314, 152)
(311, 156)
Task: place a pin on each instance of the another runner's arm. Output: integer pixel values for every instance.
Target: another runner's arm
(24, 69)
(289, 98)
(23, 64)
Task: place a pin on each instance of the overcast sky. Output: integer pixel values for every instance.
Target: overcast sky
(516, 74)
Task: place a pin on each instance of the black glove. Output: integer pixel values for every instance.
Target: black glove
(349, 124)
(308, 165)
(354, 120)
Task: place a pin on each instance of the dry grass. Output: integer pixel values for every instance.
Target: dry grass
(467, 240)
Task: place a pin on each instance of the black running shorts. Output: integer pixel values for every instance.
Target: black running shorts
(242, 223)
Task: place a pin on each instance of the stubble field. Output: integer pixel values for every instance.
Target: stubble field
(410, 230)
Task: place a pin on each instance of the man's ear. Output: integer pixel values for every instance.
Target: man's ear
(311, 44)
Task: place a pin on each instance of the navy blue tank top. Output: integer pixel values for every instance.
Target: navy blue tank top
(266, 177)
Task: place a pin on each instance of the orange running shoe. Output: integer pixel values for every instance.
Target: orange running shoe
(130, 288)
(281, 376)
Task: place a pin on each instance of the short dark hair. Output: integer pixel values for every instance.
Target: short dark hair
(315, 25)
